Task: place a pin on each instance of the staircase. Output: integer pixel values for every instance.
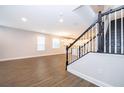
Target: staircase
(99, 52)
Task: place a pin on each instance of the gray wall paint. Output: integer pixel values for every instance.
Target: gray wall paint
(16, 43)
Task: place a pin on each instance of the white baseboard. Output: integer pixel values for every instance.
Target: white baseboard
(9, 59)
(88, 78)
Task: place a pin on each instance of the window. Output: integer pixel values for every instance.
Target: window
(40, 43)
(55, 43)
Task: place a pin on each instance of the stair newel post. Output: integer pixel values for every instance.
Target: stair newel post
(100, 34)
(66, 57)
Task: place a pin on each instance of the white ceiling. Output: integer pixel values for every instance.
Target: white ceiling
(43, 18)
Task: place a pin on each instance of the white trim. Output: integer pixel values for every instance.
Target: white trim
(96, 45)
(105, 33)
(122, 44)
(115, 32)
(88, 78)
(89, 41)
(109, 33)
(9, 59)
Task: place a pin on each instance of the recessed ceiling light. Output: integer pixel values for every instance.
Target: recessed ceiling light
(24, 19)
(61, 20)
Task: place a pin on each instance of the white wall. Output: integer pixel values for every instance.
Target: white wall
(100, 69)
(16, 43)
(87, 15)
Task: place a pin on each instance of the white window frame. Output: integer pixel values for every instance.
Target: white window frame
(56, 43)
(40, 43)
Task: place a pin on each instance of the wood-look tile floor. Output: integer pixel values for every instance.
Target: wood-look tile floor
(48, 71)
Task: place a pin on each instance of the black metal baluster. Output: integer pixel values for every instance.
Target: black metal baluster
(79, 52)
(84, 49)
(66, 57)
(100, 34)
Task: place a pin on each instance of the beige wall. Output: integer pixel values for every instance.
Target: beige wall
(15, 43)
